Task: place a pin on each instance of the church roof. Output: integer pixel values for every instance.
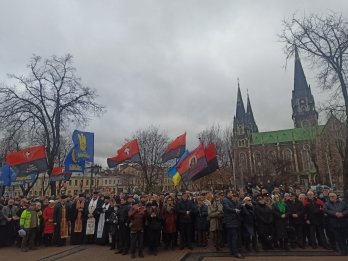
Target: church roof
(296, 134)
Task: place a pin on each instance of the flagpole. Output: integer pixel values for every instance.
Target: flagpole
(83, 175)
(185, 185)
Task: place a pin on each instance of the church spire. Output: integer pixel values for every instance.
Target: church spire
(302, 102)
(240, 111)
(300, 82)
(250, 117)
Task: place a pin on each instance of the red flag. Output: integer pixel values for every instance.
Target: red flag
(129, 152)
(175, 149)
(56, 171)
(28, 161)
(58, 174)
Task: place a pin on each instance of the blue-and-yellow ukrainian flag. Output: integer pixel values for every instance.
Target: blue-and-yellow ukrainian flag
(84, 145)
(173, 171)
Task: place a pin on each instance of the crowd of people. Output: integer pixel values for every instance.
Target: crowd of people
(249, 220)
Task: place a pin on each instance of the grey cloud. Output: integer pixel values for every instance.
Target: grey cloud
(173, 64)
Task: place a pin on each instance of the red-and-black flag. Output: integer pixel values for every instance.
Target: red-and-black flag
(193, 163)
(28, 161)
(127, 153)
(210, 155)
(175, 149)
(58, 174)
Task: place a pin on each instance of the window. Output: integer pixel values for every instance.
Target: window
(287, 157)
(105, 182)
(258, 161)
(240, 130)
(306, 158)
(109, 181)
(87, 182)
(75, 182)
(242, 161)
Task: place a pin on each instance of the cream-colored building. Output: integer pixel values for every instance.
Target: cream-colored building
(125, 178)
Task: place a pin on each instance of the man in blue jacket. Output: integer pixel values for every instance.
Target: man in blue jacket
(337, 211)
(232, 209)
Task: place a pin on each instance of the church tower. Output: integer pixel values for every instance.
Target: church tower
(250, 120)
(239, 126)
(302, 102)
(243, 126)
(244, 122)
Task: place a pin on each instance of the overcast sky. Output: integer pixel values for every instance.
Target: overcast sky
(170, 63)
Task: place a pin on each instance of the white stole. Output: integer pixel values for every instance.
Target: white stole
(90, 226)
(101, 222)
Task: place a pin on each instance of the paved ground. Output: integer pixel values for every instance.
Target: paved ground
(99, 253)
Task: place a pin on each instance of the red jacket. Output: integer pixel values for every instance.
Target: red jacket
(48, 220)
(169, 217)
(136, 219)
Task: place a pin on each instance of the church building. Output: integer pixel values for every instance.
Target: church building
(307, 154)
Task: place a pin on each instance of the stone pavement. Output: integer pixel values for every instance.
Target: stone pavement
(99, 253)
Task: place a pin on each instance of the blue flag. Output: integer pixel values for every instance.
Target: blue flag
(22, 180)
(72, 163)
(5, 175)
(84, 145)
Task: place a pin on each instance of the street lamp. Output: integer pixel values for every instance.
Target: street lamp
(97, 168)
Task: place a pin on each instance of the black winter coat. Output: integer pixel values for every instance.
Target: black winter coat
(231, 217)
(295, 207)
(280, 224)
(264, 219)
(314, 211)
(182, 207)
(201, 220)
(248, 220)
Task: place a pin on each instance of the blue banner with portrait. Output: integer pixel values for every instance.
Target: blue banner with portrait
(84, 145)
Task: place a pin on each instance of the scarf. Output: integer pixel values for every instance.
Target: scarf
(78, 221)
(280, 206)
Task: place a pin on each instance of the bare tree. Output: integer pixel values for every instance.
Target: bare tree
(325, 42)
(46, 102)
(152, 144)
